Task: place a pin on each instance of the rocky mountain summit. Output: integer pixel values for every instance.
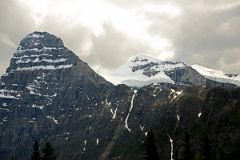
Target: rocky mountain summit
(41, 74)
(41, 68)
(49, 94)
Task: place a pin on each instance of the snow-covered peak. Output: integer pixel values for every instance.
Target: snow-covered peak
(216, 75)
(143, 59)
(149, 65)
(143, 70)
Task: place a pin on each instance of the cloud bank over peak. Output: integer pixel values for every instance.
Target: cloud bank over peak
(107, 33)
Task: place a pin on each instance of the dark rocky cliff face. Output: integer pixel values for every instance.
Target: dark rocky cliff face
(43, 76)
(49, 94)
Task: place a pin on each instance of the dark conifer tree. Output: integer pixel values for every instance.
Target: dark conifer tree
(185, 150)
(48, 152)
(187, 146)
(36, 151)
(175, 155)
(150, 147)
(221, 154)
(206, 148)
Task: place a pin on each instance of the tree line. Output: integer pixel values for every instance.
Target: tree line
(150, 153)
(48, 152)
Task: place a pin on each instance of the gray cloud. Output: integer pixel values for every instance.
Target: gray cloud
(209, 38)
(74, 36)
(15, 24)
(205, 33)
(113, 48)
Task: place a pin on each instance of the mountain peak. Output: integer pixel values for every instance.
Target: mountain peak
(41, 51)
(40, 64)
(39, 40)
(144, 58)
(143, 70)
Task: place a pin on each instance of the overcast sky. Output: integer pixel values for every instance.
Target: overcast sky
(106, 33)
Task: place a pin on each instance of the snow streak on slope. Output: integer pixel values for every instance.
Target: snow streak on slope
(174, 94)
(46, 67)
(9, 94)
(131, 107)
(171, 141)
(53, 119)
(143, 70)
(215, 75)
(199, 114)
(114, 113)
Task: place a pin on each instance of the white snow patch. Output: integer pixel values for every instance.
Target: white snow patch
(36, 43)
(34, 90)
(5, 109)
(37, 106)
(9, 94)
(107, 103)
(31, 89)
(178, 117)
(47, 67)
(37, 60)
(126, 120)
(37, 50)
(54, 95)
(53, 119)
(199, 114)
(174, 94)
(35, 35)
(32, 56)
(145, 133)
(4, 119)
(84, 149)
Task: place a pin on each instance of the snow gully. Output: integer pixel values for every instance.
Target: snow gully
(129, 112)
